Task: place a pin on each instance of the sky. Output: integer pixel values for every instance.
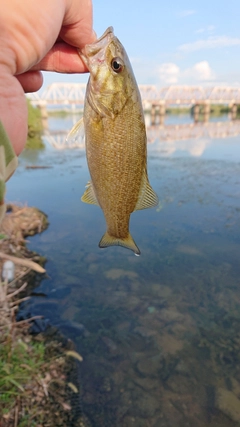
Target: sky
(172, 42)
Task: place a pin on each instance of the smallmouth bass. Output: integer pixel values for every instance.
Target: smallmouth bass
(115, 137)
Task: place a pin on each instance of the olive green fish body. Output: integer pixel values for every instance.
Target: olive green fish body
(115, 137)
(116, 154)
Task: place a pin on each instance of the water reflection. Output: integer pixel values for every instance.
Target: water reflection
(159, 334)
(179, 133)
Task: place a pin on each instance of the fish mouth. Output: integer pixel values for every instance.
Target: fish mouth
(96, 48)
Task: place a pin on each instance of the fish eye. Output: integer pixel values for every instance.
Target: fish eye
(117, 65)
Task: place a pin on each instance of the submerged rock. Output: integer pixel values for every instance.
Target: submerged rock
(146, 383)
(130, 421)
(228, 403)
(146, 405)
(110, 344)
(36, 325)
(144, 332)
(160, 291)
(116, 273)
(171, 315)
(188, 250)
(150, 367)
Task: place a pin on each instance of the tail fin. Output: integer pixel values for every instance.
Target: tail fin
(127, 242)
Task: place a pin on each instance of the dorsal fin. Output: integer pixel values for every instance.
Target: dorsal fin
(147, 197)
(89, 195)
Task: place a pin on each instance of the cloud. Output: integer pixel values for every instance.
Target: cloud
(167, 146)
(209, 43)
(168, 73)
(208, 29)
(200, 30)
(201, 71)
(185, 13)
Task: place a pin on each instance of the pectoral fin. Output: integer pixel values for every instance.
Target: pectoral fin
(89, 195)
(147, 197)
(127, 242)
(76, 134)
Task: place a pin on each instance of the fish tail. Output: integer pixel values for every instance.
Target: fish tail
(126, 242)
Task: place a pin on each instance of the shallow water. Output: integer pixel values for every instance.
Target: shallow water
(159, 333)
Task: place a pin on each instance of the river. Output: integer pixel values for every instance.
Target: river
(160, 333)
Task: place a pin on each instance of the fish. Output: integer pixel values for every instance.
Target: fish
(115, 139)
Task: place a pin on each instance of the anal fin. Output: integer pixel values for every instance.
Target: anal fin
(147, 197)
(89, 195)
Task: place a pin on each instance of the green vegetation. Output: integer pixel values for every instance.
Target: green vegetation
(64, 113)
(33, 385)
(19, 365)
(35, 128)
(215, 110)
(178, 110)
(59, 113)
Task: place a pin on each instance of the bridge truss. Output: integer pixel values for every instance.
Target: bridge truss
(74, 93)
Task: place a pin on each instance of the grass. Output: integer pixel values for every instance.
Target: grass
(19, 366)
(178, 110)
(21, 362)
(65, 113)
(33, 372)
(35, 128)
(29, 369)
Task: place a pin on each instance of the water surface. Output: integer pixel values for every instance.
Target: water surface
(159, 333)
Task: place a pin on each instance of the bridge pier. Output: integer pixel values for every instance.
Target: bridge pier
(233, 108)
(205, 109)
(158, 110)
(196, 110)
(153, 114)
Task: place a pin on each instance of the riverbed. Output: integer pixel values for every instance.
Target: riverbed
(159, 334)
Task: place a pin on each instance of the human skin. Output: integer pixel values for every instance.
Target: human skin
(37, 36)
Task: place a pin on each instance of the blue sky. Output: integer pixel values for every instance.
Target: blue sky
(173, 42)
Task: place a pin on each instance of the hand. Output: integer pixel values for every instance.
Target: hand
(35, 36)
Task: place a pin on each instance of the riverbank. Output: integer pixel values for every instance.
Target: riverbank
(36, 372)
(35, 128)
(216, 110)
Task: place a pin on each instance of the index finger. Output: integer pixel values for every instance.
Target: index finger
(77, 27)
(62, 58)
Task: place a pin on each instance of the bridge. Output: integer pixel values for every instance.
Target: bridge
(155, 100)
(71, 95)
(159, 134)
